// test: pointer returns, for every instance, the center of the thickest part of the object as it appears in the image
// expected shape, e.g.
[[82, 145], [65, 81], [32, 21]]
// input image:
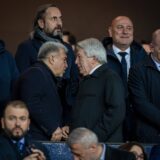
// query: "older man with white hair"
[[100, 104]]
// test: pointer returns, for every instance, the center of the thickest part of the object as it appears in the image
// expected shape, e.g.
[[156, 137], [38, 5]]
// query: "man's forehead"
[[54, 11], [122, 20], [16, 111]]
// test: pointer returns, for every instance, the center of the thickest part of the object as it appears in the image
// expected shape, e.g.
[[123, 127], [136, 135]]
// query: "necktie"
[[20, 145], [124, 67]]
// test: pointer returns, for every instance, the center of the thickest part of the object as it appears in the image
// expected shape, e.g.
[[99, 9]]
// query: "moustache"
[[59, 27], [17, 128]]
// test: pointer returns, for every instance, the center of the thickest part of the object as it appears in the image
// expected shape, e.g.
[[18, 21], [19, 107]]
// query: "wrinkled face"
[[59, 63], [81, 153], [83, 62], [15, 122], [121, 31], [137, 151], [51, 23]]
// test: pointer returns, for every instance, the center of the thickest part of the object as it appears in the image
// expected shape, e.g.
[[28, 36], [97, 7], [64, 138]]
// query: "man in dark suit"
[[144, 86], [85, 146], [37, 87], [14, 144], [100, 104], [122, 53]]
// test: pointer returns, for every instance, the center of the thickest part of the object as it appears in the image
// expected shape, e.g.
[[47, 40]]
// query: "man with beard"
[[47, 26], [14, 144]]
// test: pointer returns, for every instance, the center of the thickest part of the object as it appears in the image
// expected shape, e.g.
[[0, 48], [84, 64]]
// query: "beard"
[[15, 135], [56, 32]]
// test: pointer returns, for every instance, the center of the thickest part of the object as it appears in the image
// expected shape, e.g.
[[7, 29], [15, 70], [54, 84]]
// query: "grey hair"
[[82, 136], [94, 48], [50, 47]]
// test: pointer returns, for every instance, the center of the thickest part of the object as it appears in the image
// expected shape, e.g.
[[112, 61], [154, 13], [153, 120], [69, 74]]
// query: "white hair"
[[94, 48]]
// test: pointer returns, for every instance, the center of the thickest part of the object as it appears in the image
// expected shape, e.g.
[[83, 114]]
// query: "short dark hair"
[[71, 38], [128, 146], [15, 104], [40, 13]]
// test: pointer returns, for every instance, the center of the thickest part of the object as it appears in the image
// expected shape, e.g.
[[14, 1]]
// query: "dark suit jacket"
[[144, 85], [37, 87], [26, 56], [137, 53], [8, 150], [116, 154], [100, 105]]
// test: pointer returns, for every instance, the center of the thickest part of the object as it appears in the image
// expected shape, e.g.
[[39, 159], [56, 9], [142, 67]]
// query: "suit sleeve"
[[114, 111], [141, 102]]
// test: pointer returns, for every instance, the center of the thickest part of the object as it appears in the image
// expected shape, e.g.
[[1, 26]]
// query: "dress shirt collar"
[[102, 157], [96, 67], [156, 62], [117, 50], [22, 140]]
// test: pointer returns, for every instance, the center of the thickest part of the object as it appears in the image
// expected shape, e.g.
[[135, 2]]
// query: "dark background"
[[85, 18]]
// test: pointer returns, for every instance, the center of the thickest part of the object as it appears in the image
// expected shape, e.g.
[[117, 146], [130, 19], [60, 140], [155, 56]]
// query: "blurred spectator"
[[69, 38], [143, 83], [8, 74], [15, 144], [155, 153], [146, 46], [85, 146], [136, 148]]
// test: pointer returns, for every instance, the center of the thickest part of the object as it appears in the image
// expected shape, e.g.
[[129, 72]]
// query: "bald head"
[[156, 36], [121, 31], [121, 18]]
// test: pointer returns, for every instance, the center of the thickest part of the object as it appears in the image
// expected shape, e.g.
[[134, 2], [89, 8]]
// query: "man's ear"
[[41, 23], [2, 122], [93, 147], [152, 47], [51, 59], [110, 31]]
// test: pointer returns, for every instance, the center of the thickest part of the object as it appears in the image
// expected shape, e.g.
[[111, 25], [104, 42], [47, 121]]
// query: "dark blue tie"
[[124, 67], [20, 146]]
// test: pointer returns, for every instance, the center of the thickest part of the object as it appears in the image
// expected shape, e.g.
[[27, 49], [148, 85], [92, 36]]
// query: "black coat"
[[8, 150], [37, 88], [144, 86], [116, 154], [26, 56], [137, 54], [100, 105]]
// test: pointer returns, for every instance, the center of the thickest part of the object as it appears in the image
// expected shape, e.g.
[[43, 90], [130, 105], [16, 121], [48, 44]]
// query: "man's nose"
[[18, 122], [125, 30]]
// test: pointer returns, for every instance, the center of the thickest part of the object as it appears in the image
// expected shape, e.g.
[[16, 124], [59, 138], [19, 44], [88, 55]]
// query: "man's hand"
[[35, 155], [65, 132], [57, 135]]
